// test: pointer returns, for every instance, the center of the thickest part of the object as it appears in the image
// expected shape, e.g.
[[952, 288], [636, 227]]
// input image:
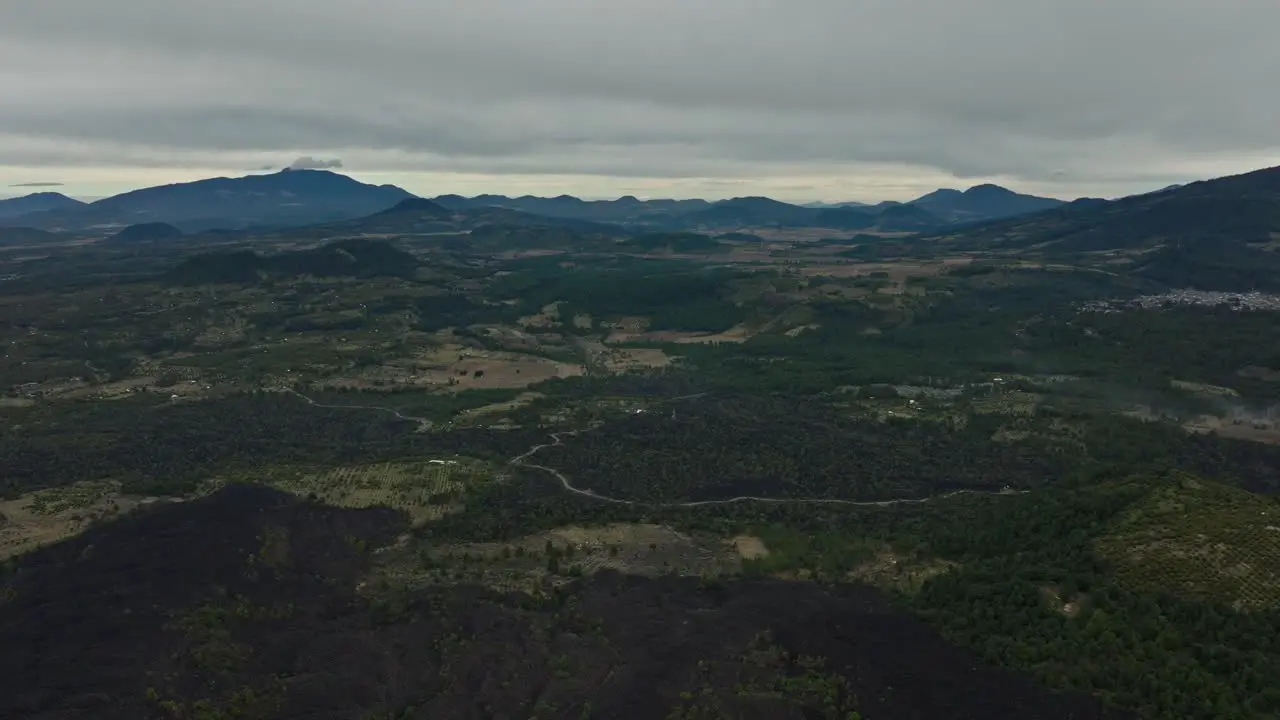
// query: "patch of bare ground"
[[1262, 430], [548, 316], [618, 360], [898, 272], [749, 547], [795, 331], [517, 402], [735, 334], [905, 573], [553, 557], [1070, 607]]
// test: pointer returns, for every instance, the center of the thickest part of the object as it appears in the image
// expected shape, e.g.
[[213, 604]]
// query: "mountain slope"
[[290, 197], [626, 209], [145, 233], [250, 603], [27, 236], [355, 258], [1240, 208], [982, 202], [36, 202]]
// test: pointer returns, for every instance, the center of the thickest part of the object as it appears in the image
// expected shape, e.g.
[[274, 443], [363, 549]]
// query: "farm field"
[[427, 490]]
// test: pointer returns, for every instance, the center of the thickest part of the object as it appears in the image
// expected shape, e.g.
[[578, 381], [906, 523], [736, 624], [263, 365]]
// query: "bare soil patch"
[[1263, 431], [617, 359], [749, 547], [736, 334], [631, 548], [889, 569]]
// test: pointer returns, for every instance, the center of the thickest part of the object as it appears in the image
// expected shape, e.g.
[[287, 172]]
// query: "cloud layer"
[[1080, 97], [307, 162]]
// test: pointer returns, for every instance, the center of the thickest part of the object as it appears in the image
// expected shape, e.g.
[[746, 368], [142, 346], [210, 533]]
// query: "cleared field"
[[1263, 430], [1203, 540], [48, 516], [457, 368], [426, 490], [535, 563], [616, 359], [736, 334]]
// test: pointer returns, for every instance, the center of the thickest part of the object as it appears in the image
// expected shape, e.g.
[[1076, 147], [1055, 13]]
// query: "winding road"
[[522, 460]]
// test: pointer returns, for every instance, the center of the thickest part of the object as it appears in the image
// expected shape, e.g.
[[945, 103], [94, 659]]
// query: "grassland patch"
[[48, 516], [426, 490]]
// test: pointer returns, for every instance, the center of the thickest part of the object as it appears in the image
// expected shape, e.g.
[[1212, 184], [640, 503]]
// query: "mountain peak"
[[36, 202], [417, 205], [289, 197], [981, 202], [989, 189]]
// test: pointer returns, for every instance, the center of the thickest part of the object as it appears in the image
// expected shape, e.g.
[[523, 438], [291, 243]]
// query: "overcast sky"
[[801, 100]]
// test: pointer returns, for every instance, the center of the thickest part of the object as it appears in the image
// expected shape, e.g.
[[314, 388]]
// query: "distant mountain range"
[[286, 198], [1215, 234], [38, 202], [942, 207], [626, 210], [1239, 208], [295, 198]]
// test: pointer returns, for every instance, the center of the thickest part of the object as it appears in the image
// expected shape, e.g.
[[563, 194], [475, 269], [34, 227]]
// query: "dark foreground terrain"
[[245, 604]]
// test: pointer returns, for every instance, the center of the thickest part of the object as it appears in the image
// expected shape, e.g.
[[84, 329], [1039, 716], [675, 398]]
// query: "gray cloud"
[[306, 162], [1081, 97], [37, 184]]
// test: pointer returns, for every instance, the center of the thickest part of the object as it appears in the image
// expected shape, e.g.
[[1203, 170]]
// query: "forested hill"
[[241, 604], [1240, 208]]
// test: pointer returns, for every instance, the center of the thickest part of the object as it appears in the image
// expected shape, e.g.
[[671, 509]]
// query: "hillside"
[[942, 207], [749, 211], [286, 198], [145, 233], [36, 202], [244, 604], [353, 258], [1200, 539], [760, 211], [1240, 208], [1226, 265], [481, 229], [26, 236], [625, 210], [982, 202]]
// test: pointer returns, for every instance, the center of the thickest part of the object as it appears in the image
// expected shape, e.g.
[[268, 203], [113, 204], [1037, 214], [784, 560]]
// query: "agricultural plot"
[[426, 490], [47, 516], [1201, 539], [543, 560]]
